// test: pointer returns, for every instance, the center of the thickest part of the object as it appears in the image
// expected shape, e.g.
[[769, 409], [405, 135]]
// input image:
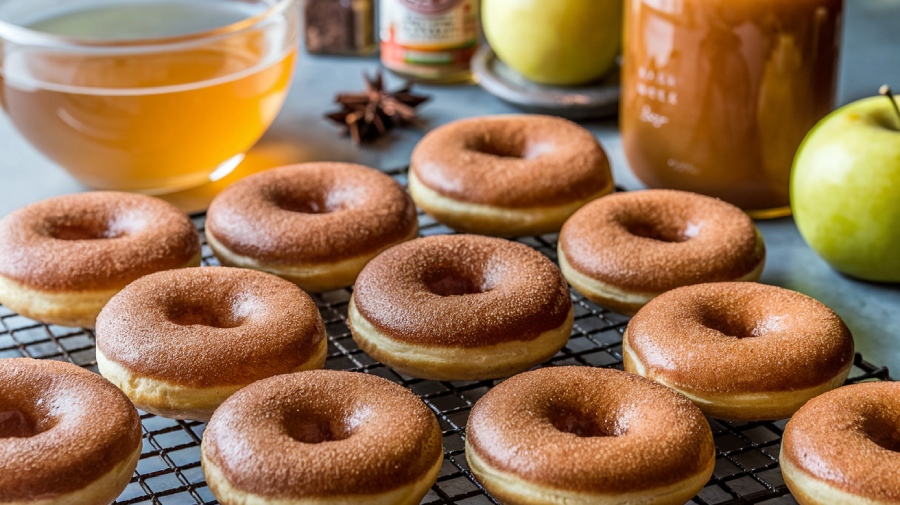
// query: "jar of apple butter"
[[717, 95]]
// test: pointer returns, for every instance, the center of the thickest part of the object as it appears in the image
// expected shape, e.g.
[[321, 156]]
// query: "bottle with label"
[[717, 95], [429, 40]]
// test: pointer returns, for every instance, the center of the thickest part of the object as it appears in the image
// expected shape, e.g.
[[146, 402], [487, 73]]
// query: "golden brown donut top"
[[95, 240], [590, 430], [210, 326], [312, 212], [850, 438], [337, 433], [462, 290], [61, 428], [512, 161], [740, 337], [656, 240]]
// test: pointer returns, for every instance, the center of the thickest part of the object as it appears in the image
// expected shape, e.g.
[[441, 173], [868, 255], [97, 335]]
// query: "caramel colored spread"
[[462, 290]]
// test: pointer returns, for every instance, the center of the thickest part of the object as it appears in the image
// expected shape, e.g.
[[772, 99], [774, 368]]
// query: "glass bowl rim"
[[16, 34]]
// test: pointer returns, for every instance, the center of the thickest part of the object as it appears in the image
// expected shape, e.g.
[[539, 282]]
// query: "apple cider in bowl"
[[149, 96]]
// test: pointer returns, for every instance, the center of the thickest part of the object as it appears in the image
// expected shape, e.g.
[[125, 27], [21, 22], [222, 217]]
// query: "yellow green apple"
[[555, 41], [845, 189]]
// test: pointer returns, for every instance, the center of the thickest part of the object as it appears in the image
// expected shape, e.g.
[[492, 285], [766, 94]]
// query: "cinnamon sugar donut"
[[314, 224], [179, 342], [461, 307], [507, 175], [740, 350], [322, 437], [843, 447], [66, 435], [581, 435], [624, 249], [63, 258]]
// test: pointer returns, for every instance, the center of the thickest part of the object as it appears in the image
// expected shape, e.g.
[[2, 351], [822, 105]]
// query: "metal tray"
[[169, 470]]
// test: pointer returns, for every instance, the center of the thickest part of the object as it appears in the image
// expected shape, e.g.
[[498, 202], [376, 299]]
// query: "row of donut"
[[491, 280]]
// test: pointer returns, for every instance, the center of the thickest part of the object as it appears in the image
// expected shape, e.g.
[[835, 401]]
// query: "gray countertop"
[[871, 43]]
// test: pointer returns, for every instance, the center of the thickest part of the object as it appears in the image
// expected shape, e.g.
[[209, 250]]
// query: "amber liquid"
[[152, 121], [719, 94]]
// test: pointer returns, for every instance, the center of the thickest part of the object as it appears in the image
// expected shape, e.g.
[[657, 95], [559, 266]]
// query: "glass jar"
[[717, 95]]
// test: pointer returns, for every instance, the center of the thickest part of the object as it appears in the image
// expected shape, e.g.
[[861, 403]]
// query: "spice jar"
[[430, 40], [340, 27], [717, 95]]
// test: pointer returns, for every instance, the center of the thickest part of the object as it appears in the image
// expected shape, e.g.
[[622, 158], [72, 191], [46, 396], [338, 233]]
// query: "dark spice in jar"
[[340, 26]]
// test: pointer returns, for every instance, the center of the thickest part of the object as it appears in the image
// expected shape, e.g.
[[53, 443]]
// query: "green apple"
[[845, 189], [555, 41]]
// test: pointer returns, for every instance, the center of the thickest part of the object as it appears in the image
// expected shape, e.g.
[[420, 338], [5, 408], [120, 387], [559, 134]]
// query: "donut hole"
[[17, 424], [85, 231], [733, 324], [510, 148], [317, 429], [452, 283], [883, 431], [311, 204], [584, 425], [214, 315], [306, 200], [661, 231]]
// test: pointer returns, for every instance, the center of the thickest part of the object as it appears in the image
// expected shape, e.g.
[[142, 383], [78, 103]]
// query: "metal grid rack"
[[169, 470]]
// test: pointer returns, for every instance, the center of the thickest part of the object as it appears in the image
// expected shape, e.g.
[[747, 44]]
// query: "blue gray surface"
[[870, 48]]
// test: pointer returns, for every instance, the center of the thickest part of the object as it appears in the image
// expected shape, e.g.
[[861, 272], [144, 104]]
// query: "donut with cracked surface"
[[322, 437], [314, 224], [461, 307], [507, 175], [581, 435], [53, 450], [178, 343], [740, 350], [843, 447], [63, 258], [622, 250]]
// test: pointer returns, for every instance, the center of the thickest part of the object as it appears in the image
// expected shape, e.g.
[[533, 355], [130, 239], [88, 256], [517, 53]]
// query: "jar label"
[[428, 38]]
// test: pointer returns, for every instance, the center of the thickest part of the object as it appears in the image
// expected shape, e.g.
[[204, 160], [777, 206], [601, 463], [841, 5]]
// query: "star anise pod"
[[371, 113]]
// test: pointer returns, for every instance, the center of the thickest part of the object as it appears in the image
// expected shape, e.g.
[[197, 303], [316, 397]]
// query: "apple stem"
[[886, 91]]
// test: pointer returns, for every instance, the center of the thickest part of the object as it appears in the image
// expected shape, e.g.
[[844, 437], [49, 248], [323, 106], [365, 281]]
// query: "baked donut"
[[322, 437], [63, 258], [460, 307], [179, 342], [67, 435], [843, 447], [624, 249], [314, 224], [582, 435], [507, 175], [740, 350]]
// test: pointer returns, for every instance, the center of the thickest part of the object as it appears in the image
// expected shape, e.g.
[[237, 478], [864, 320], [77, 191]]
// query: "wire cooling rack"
[[169, 472]]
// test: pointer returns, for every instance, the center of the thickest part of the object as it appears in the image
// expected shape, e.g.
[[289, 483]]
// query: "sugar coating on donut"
[[462, 290], [848, 439], [311, 212], [584, 429], [338, 433], [92, 241], [51, 442], [740, 337], [514, 161], [654, 240], [210, 326]]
